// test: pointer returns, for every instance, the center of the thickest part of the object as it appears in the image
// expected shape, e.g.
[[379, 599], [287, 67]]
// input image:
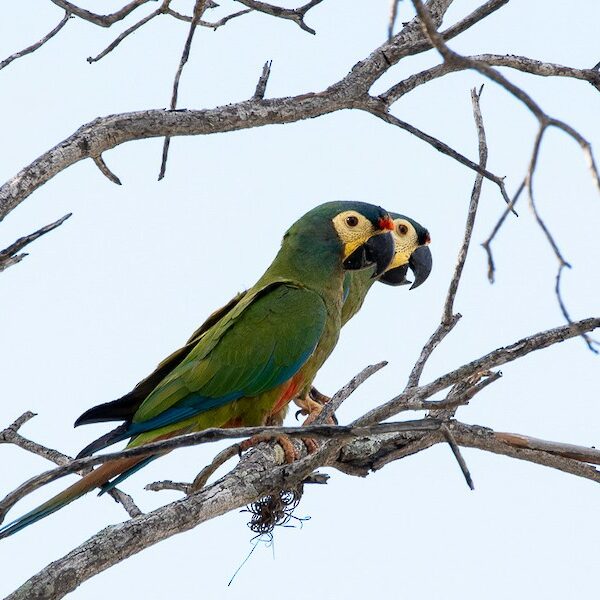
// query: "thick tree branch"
[[258, 475], [102, 134]]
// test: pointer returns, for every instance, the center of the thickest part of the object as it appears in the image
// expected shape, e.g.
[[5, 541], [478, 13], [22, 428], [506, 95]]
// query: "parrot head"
[[411, 250], [360, 232]]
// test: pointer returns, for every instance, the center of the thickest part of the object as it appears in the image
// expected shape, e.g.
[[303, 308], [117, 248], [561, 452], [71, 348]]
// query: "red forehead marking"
[[386, 224]]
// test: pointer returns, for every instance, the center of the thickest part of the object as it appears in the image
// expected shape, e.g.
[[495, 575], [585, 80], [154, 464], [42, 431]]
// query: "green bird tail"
[[99, 477]]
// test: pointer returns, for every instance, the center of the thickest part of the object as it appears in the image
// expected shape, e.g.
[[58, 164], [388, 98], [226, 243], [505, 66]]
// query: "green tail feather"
[[97, 478]]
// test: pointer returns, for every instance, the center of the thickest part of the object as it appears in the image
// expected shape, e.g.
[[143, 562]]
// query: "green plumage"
[[252, 359]]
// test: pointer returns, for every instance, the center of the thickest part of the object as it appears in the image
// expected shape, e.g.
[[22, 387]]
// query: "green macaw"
[[410, 250], [262, 352]]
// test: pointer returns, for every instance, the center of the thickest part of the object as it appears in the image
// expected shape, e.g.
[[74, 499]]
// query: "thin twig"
[[458, 455], [544, 121], [496, 358], [218, 461], [332, 405], [199, 8], [209, 24], [491, 274], [102, 20], [35, 46], [432, 343], [9, 256], [439, 146], [128, 32], [167, 484], [472, 213], [472, 436], [293, 14], [99, 161], [261, 86], [449, 320], [392, 20], [518, 63]]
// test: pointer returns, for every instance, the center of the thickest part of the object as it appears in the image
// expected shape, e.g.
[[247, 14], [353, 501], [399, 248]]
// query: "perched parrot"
[[410, 250], [261, 353]]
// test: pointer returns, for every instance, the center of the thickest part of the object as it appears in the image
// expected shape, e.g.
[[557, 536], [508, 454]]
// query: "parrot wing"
[[125, 407], [259, 344]]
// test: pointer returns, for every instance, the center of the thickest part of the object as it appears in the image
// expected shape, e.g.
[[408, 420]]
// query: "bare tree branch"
[[102, 134], [9, 256], [38, 44], [393, 15], [199, 8], [105, 170], [519, 63], [409, 400], [102, 20], [496, 358], [580, 453], [472, 436], [261, 86], [210, 24], [161, 10], [452, 58], [258, 475], [449, 320], [339, 397], [342, 432], [11, 435], [475, 195], [297, 14]]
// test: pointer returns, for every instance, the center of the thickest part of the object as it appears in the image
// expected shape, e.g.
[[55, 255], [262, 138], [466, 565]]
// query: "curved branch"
[[498, 357], [38, 44], [102, 20], [94, 138]]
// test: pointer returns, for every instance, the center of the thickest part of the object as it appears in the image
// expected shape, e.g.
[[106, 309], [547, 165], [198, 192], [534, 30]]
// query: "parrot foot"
[[312, 405], [311, 444], [289, 452]]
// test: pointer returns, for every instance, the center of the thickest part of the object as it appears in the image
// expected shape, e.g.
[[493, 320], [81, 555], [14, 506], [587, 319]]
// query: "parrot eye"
[[352, 221], [402, 229]]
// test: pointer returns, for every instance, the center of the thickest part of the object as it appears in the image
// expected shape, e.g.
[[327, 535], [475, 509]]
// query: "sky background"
[[137, 268]]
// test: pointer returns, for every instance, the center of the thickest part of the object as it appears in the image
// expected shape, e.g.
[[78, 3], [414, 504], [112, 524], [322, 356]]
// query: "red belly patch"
[[289, 390]]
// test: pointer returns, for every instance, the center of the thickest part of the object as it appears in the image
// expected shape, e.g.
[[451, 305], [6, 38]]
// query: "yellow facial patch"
[[406, 241], [353, 229]]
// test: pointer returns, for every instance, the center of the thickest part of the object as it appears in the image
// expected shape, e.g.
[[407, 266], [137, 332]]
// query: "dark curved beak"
[[420, 263], [377, 250], [396, 276]]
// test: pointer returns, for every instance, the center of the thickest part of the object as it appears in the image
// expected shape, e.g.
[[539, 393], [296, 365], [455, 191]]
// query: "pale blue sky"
[[100, 301]]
